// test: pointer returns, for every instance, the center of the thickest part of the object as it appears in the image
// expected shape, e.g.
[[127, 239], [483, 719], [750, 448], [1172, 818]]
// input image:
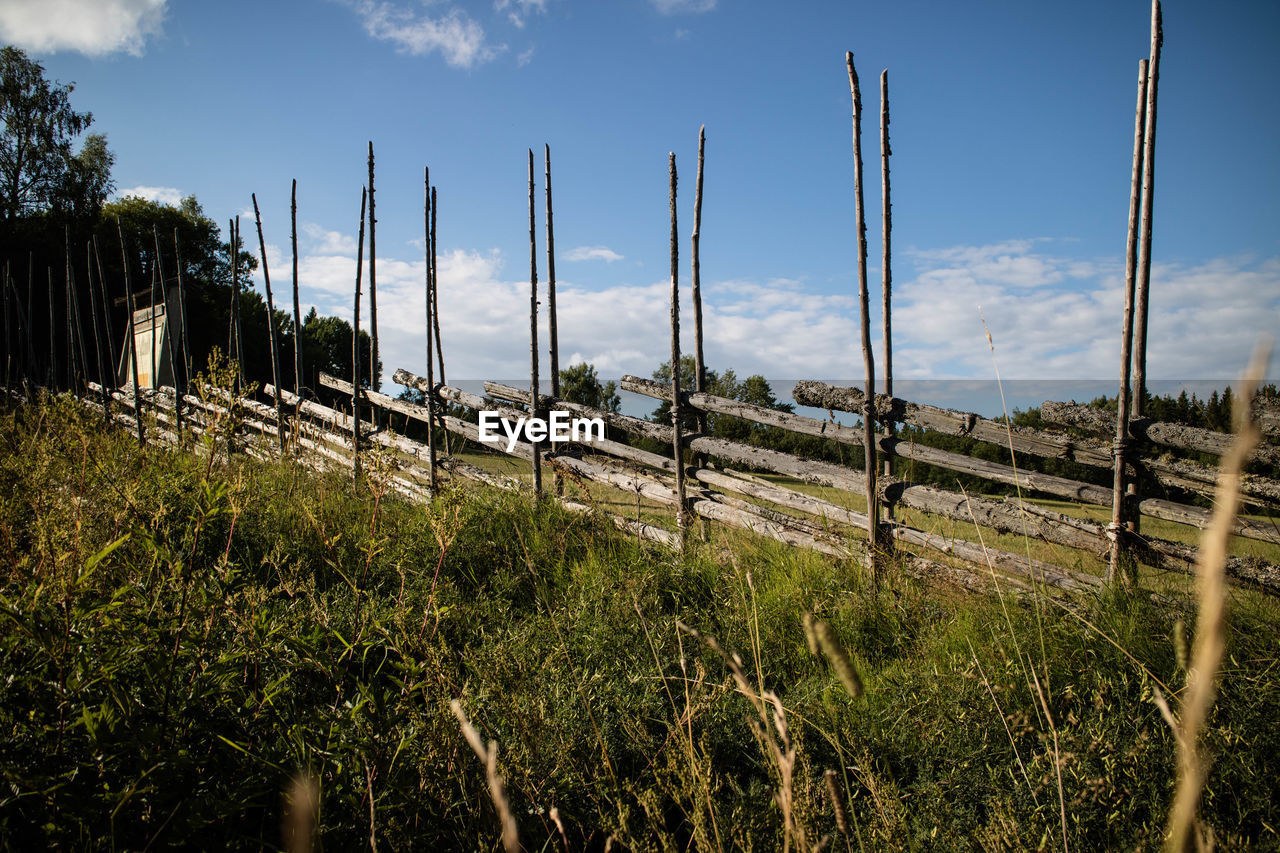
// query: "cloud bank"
[[1050, 317], [92, 27]]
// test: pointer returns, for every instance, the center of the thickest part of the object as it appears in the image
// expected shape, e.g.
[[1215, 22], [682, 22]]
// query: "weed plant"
[[184, 638]]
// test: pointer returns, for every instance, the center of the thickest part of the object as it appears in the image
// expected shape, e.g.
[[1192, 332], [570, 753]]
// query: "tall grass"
[[195, 651]]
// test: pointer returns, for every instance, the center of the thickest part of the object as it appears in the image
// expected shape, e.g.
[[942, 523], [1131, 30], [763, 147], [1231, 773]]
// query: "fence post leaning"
[[237, 338], [435, 301], [132, 333], [170, 332], [552, 328], [75, 370], [1148, 189], [53, 333], [355, 351], [104, 295], [8, 338], [868, 414], [271, 327], [431, 385], [677, 435], [97, 330], [297, 309], [155, 366], [695, 264], [533, 333], [373, 290], [1116, 530], [182, 316], [886, 268]]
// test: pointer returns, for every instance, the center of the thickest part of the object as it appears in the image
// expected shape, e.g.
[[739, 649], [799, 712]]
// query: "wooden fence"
[[323, 438], [708, 477]]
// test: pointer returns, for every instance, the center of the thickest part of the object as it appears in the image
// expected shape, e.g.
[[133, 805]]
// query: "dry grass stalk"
[[1057, 759], [489, 756], [772, 732], [810, 636], [1209, 645], [837, 801], [564, 836], [847, 675], [300, 808]]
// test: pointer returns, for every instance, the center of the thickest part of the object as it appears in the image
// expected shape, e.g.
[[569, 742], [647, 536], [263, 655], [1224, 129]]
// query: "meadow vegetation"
[[185, 637]]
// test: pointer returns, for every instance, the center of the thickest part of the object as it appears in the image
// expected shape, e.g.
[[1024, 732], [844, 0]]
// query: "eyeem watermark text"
[[559, 428]]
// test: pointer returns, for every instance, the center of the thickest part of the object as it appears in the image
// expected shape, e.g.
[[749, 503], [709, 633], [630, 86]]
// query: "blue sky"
[[1011, 130]]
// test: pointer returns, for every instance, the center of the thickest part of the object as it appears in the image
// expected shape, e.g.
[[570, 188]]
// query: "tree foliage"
[[580, 384], [39, 170], [326, 348], [754, 390]]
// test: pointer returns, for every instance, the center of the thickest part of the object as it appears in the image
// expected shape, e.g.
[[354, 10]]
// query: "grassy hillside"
[[182, 639]]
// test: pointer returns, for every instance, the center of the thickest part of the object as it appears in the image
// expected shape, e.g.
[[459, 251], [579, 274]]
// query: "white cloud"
[[323, 242], [1051, 318], [525, 57], [163, 195], [458, 37], [518, 10], [1011, 263], [592, 253], [91, 27], [683, 7]]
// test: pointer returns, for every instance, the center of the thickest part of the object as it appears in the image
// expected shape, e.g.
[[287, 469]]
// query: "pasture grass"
[[186, 639]]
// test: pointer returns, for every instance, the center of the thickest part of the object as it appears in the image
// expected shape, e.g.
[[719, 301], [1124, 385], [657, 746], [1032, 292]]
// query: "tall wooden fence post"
[[695, 264], [75, 369], [435, 285], [23, 310], [155, 365], [868, 359], [886, 258], [533, 332], [1148, 190], [237, 336], [97, 330], [355, 351], [80, 336], [8, 339], [677, 435], [1116, 530], [104, 294], [31, 307], [373, 288], [553, 330], [171, 330], [132, 333], [53, 333], [271, 326], [182, 316], [435, 304], [13, 341], [431, 385], [297, 308]]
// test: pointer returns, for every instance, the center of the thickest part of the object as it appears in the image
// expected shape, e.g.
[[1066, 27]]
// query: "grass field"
[[615, 501], [186, 640]]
